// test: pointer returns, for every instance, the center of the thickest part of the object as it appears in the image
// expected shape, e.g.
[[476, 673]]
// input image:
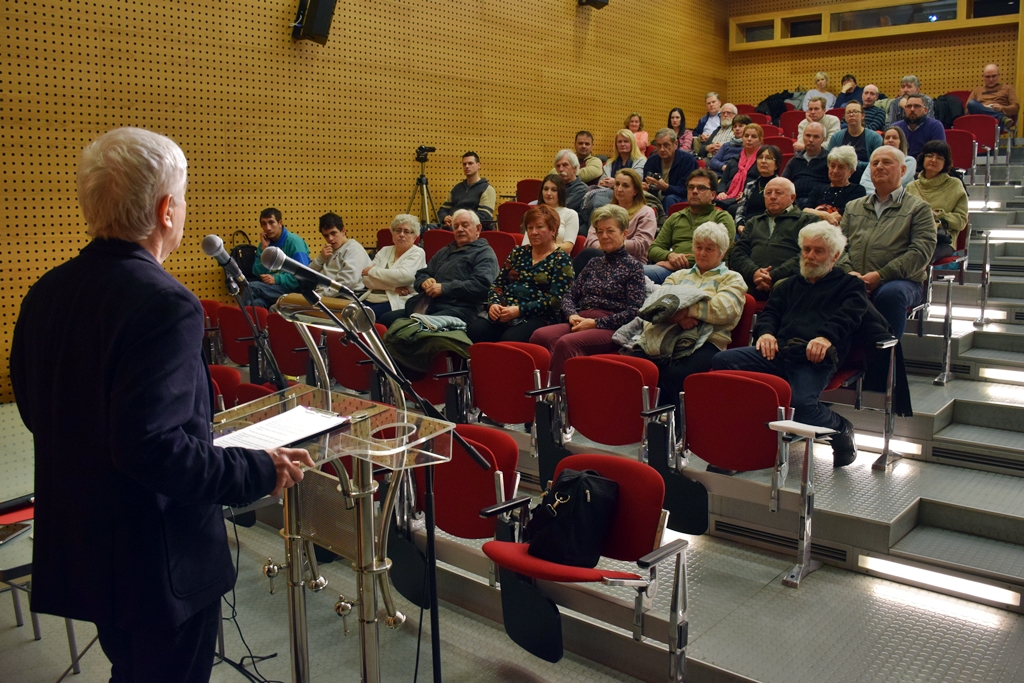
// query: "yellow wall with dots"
[[943, 61], [266, 121]]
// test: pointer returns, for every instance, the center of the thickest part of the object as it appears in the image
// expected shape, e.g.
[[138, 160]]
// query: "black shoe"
[[719, 470], [843, 449]]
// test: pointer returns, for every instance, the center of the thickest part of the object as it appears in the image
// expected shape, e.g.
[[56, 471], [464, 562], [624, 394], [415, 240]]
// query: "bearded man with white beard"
[[805, 331]]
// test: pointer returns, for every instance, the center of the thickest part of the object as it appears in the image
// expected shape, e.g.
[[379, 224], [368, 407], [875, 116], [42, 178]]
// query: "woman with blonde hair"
[[627, 155], [643, 222], [635, 124], [820, 89]]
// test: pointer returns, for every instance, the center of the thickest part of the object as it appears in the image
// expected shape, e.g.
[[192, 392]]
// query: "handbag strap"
[[234, 237]]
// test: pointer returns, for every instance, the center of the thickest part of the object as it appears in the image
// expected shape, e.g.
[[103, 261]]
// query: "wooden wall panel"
[[943, 61], [266, 121]]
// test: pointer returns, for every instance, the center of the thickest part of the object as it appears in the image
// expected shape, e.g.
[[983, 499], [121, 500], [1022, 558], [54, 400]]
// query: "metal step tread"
[[972, 435], [966, 552], [1015, 358]]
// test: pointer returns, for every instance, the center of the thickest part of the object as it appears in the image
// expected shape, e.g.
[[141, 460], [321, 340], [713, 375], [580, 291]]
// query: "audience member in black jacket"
[[805, 331], [809, 169], [669, 187]]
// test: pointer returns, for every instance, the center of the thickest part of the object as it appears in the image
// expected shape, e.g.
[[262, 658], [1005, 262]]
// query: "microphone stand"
[[258, 336], [392, 371]]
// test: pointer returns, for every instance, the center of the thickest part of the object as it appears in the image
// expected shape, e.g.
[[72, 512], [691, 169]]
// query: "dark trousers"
[[180, 655], [807, 380], [487, 330], [672, 373]]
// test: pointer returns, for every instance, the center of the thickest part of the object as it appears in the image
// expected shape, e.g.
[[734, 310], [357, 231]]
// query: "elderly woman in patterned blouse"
[[527, 294], [606, 294]]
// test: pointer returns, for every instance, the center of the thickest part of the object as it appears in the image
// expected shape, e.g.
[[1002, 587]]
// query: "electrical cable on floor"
[[254, 676]]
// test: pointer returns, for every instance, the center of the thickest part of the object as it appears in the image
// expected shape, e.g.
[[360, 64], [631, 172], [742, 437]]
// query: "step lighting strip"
[[1002, 374], [939, 580]]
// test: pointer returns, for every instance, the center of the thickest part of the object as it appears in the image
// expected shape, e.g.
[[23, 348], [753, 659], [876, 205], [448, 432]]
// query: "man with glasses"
[[668, 185], [918, 126], [994, 98], [863, 141], [721, 135], [673, 247], [910, 85]]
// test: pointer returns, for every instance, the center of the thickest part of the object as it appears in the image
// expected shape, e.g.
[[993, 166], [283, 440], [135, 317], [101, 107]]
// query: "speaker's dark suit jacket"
[[107, 371]]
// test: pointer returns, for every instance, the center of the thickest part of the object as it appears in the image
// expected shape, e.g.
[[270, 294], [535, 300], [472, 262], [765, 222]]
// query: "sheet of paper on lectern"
[[291, 427]]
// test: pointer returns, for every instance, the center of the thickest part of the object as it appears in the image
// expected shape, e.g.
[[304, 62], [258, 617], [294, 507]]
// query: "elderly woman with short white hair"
[[389, 277], [829, 202], [721, 311]]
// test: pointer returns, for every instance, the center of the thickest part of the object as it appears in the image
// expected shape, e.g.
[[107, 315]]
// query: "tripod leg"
[[412, 199], [428, 203]]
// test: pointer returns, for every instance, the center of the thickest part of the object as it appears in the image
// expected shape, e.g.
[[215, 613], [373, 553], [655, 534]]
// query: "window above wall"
[[865, 19]]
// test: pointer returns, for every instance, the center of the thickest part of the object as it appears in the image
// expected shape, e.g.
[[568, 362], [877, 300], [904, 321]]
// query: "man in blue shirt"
[[918, 126], [274, 285]]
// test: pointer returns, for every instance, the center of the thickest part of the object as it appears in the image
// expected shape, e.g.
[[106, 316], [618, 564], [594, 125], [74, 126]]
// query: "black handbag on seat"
[[244, 255], [573, 520]]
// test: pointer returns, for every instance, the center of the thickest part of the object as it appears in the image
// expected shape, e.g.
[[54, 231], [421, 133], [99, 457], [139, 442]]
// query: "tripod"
[[428, 214]]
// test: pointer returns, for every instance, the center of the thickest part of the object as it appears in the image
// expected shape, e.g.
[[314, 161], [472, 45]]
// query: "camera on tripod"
[[422, 151]]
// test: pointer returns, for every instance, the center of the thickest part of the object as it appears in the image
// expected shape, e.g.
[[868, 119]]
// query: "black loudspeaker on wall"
[[313, 20], [596, 4]]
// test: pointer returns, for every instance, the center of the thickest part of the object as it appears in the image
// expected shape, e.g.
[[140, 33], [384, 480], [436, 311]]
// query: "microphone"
[[214, 246], [273, 259]]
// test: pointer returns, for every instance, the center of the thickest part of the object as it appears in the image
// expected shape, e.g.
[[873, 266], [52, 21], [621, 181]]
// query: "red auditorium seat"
[[344, 360], [287, 346], [502, 243], [770, 130], [759, 119], [790, 122], [528, 189], [784, 144], [678, 206], [581, 241], [236, 335], [502, 373], [227, 380], [510, 216], [435, 240], [531, 618], [838, 112], [247, 392]]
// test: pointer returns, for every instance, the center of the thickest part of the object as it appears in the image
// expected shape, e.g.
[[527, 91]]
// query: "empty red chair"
[[462, 488], [528, 189], [212, 341], [345, 362], [287, 346], [790, 122], [247, 392], [784, 144], [227, 379], [502, 243], [678, 206], [435, 240], [502, 373], [610, 417], [530, 617], [759, 119], [581, 241], [838, 112], [741, 333], [211, 309], [510, 216], [717, 434], [964, 148], [385, 238], [770, 130], [747, 109], [986, 132], [236, 335]]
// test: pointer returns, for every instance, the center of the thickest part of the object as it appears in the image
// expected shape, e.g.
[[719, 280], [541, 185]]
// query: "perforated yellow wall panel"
[[266, 121], [943, 61]]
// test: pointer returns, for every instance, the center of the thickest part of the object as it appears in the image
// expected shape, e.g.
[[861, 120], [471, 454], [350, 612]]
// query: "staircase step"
[[965, 435], [1007, 287], [1002, 416], [962, 552], [1002, 338]]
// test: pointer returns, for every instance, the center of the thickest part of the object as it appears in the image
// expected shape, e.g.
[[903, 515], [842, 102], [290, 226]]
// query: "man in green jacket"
[[673, 247], [891, 240], [768, 251]]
